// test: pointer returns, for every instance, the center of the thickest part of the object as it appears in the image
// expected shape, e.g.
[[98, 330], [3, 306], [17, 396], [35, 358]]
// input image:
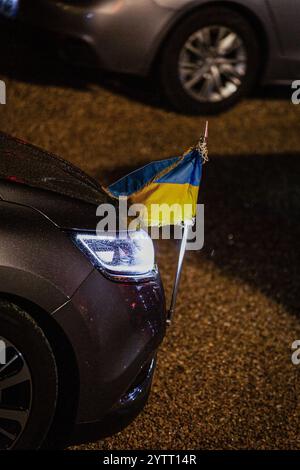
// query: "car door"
[[286, 15]]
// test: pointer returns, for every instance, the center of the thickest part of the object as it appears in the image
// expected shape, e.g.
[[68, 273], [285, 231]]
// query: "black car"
[[78, 334]]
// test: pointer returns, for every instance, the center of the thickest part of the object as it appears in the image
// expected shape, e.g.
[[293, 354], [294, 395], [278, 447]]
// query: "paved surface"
[[225, 378]]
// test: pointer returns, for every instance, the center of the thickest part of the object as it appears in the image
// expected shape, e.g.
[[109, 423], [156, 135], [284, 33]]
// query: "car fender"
[[38, 261], [257, 11]]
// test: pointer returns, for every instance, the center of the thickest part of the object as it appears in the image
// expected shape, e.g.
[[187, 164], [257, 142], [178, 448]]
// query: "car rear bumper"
[[110, 34], [115, 330]]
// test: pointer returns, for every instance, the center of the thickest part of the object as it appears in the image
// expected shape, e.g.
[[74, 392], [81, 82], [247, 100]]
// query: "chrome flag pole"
[[178, 271], [186, 227]]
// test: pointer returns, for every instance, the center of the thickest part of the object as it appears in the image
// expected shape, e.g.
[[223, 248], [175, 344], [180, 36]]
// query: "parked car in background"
[[81, 313], [207, 53]]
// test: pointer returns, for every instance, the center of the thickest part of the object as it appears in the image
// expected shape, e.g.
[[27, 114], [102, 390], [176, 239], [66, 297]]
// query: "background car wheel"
[[28, 381], [210, 61]]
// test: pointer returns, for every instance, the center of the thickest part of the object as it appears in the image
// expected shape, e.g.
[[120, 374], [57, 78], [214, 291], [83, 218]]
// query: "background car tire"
[[19, 329], [208, 17]]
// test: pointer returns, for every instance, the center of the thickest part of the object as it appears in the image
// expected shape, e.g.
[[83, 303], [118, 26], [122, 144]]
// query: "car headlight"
[[123, 254]]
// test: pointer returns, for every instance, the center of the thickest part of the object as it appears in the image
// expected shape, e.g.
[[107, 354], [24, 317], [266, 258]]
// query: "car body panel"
[[65, 212], [280, 64], [106, 27], [140, 27], [113, 327], [115, 339], [286, 20], [37, 168], [28, 174], [32, 265]]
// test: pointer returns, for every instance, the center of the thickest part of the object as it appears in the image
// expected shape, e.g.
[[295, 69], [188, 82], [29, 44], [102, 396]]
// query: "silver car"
[[207, 53]]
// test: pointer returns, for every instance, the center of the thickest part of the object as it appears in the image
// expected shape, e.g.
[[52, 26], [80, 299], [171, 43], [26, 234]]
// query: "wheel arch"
[[196, 7], [68, 372]]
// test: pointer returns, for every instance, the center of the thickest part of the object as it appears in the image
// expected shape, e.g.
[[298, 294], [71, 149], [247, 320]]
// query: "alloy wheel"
[[212, 64], [15, 394]]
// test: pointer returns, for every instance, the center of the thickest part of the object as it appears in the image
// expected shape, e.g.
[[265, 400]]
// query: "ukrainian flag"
[[167, 189]]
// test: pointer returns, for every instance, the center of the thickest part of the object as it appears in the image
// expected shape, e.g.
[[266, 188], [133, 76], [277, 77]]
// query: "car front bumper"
[[122, 414], [115, 330], [111, 34]]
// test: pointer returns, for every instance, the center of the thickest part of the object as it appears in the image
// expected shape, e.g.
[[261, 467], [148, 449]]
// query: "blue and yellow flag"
[[167, 189]]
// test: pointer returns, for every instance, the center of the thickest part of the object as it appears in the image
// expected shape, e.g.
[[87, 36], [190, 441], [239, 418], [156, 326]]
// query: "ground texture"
[[225, 378]]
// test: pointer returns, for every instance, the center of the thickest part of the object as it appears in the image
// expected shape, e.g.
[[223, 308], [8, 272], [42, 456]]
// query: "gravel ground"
[[225, 378]]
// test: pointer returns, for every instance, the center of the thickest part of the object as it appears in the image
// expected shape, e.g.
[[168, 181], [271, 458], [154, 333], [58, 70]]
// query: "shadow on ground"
[[31, 56], [252, 229], [252, 207]]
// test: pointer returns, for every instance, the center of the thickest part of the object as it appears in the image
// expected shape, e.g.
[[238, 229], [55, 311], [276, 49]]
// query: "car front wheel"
[[210, 61], [28, 380]]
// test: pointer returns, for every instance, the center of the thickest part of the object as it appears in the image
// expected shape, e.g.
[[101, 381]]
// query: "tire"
[[37, 391], [210, 17]]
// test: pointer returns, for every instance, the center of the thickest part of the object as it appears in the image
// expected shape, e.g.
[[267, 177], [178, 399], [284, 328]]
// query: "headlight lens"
[[128, 254]]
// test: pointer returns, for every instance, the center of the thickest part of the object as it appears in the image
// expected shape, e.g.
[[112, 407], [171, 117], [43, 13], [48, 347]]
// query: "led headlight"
[[129, 254]]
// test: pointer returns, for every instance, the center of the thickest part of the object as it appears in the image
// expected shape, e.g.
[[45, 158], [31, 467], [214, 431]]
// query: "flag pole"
[[184, 239], [178, 271], [206, 132]]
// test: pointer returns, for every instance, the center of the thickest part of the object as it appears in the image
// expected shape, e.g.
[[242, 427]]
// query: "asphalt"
[[224, 379]]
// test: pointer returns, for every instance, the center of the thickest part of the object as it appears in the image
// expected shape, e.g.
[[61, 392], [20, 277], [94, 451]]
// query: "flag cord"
[[178, 272]]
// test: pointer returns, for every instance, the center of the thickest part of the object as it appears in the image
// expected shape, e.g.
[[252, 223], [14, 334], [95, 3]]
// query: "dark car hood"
[[38, 179]]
